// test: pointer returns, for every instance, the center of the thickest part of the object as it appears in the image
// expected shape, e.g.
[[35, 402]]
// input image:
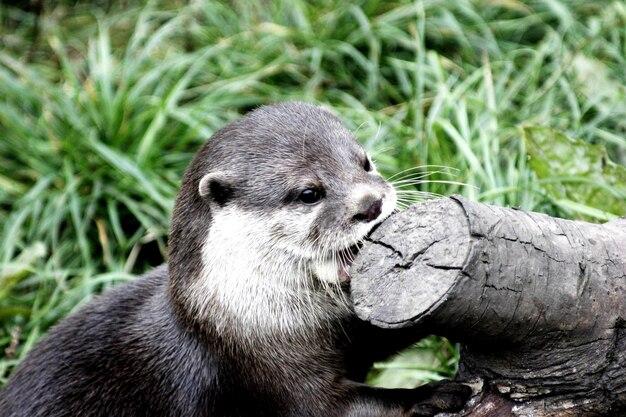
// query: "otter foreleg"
[[427, 400]]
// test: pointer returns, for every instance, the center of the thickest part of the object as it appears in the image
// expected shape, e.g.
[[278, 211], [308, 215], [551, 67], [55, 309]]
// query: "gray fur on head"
[[240, 233]]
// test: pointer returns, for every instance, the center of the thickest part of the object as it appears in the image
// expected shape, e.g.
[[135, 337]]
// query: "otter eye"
[[367, 165], [310, 196]]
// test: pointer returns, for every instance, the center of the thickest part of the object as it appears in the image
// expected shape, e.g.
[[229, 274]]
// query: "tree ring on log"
[[423, 247]]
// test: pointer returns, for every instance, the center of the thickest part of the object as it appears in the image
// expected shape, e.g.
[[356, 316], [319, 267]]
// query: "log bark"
[[538, 303]]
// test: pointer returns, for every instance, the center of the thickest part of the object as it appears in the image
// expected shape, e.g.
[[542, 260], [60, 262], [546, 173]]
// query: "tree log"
[[537, 303]]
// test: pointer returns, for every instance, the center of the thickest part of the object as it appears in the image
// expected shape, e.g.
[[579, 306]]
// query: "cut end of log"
[[396, 258]]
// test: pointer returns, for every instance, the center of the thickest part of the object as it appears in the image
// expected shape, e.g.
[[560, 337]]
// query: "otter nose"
[[371, 210]]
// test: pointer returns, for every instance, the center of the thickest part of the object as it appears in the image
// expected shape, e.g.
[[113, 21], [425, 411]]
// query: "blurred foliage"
[[577, 175]]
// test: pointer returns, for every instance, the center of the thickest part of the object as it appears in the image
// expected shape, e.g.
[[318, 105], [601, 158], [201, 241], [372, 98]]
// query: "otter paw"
[[443, 396]]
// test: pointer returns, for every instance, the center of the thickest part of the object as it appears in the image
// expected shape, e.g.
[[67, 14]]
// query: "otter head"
[[274, 203]]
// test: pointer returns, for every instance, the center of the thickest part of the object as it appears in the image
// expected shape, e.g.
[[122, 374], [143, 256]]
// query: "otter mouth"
[[345, 258]]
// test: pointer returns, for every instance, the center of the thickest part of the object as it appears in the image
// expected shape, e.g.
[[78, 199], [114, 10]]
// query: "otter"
[[251, 315]]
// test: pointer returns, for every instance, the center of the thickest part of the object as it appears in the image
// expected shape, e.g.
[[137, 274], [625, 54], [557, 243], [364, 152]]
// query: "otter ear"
[[216, 186]]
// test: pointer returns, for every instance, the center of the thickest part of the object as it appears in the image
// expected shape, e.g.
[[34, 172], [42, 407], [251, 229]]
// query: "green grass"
[[102, 108]]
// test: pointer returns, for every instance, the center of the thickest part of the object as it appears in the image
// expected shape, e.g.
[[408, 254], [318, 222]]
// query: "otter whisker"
[[440, 169], [418, 182]]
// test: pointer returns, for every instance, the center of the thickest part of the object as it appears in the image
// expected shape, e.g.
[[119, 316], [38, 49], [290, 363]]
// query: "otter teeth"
[[335, 269], [345, 258]]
